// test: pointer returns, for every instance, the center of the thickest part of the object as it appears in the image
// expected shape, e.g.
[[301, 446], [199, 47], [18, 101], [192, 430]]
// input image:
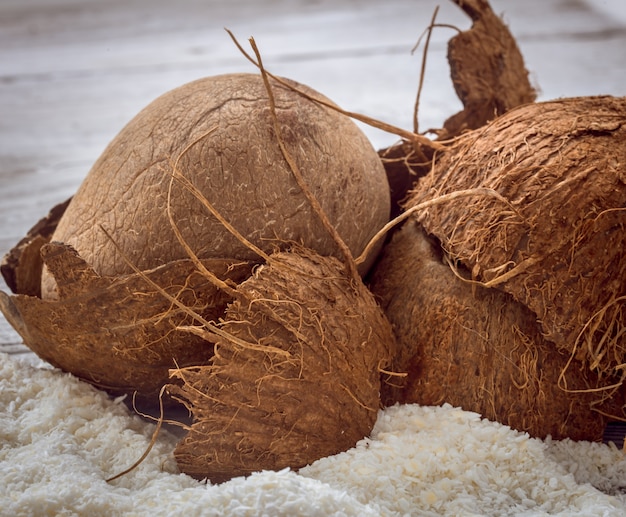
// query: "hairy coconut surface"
[[558, 245], [217, 132], [487, 70], [479, 349], [489, 77], [120, 333], [297, 376]]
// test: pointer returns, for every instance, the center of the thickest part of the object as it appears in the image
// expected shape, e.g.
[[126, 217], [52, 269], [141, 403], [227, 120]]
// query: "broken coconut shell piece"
[[21, 266], [489, 77], [296, 376], [120, 334], [487, 70]]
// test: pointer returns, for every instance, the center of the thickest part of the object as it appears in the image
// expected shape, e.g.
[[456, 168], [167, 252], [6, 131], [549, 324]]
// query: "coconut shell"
[[557, 243], [294, 378], [489, 77], [218, 133], [479, 349], [120, 334]]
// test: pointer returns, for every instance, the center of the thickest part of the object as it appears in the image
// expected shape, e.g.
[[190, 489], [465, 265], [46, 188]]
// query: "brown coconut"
[[479, 349], [295, 376], [557, 244], [218, 134], [121, 333]]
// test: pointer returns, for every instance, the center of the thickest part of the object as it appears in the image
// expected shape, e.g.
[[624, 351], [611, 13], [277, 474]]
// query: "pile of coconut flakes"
[[61, 439]]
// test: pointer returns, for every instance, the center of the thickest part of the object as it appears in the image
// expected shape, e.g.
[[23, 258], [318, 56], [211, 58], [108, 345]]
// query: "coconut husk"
[[21, 266], [489, 77], [295, 376], [479, 349], [487, 70], [557, 246], [120, 333]]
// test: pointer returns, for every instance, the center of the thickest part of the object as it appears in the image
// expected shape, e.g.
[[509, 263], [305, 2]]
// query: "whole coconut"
[[218, 133]]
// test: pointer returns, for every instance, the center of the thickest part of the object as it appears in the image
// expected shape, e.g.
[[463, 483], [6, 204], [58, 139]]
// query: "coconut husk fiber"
[[120, 333], [479, 349], [295, 376], [556, 245], [489, 77], [487, 70]]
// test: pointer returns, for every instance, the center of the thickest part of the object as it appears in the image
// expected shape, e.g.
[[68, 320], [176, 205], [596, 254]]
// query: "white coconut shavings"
[[602, 466], [61, 438], [445, 461]]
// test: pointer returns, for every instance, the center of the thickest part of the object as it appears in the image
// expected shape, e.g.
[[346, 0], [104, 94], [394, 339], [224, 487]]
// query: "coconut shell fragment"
[[295, 377], [21, 267], [558, 244], [120, 334], [489, 77], [479, 349]]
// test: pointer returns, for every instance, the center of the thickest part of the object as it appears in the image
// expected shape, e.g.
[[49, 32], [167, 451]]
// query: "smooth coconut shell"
[[218, 133], [479, 349], [120, 333], [297, 376], [557, 244]]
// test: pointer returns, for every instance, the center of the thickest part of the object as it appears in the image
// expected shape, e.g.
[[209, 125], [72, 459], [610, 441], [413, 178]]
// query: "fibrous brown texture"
[[487, 70], [297, 376], [489, 77], [120, 333], [218, 133], [479, 349], [404, 163], [558, 245]]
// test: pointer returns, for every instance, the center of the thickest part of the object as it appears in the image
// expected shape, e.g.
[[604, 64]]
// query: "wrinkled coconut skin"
[[218, 132]]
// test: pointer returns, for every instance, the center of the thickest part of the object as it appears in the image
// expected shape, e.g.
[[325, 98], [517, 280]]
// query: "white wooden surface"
[[73, 72]]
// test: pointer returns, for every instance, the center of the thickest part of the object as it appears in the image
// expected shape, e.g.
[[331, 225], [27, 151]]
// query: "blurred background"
[[73, 72]]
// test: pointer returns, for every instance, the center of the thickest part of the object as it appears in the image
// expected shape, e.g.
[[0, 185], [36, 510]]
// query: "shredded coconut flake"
[[60, 439]]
